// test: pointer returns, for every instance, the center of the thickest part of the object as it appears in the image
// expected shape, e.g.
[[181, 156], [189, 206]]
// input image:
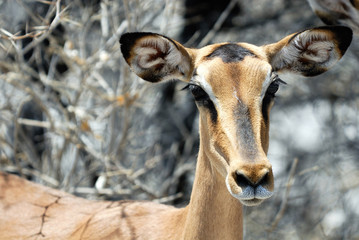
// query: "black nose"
[[244, 181]]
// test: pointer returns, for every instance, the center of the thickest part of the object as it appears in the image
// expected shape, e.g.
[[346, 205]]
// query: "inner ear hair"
[[310, 52], [155, 58]]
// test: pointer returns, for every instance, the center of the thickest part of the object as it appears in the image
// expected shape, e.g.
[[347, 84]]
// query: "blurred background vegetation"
[[74, 117]]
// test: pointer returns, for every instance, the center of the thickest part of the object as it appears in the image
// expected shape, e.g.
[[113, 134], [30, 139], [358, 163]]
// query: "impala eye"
[[202, 99], [198, 93], [273, 87], [270, 95]]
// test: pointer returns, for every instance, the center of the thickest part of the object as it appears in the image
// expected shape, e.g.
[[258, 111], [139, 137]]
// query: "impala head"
[[234, 85]]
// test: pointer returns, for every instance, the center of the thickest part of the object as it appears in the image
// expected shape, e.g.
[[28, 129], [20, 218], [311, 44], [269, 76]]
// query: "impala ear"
[[310, 52], [156, 58]]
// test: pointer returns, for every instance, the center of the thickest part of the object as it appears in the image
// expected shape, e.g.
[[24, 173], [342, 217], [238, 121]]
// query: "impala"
[[234, 85]]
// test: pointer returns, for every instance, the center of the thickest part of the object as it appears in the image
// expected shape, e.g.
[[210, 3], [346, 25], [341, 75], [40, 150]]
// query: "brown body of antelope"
[[234, 86]]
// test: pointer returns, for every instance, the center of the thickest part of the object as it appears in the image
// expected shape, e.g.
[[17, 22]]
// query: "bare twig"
[[219, 23], [283, 205], [103, 191], [33, 172], [53, 25], [33, 123], [169, 198]]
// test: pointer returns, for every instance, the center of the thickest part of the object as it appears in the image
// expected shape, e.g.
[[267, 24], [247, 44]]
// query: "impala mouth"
[[248, 195], [251, 202]]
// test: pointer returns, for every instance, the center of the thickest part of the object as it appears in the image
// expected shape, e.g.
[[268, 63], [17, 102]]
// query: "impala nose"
[[244, 181], [251, 184], [253, 188]]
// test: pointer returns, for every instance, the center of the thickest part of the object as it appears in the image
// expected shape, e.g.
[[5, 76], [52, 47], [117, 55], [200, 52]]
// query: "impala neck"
[[212, 212]]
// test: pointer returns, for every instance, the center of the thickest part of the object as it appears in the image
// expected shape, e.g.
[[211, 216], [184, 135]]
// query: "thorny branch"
[[285, 196], [80, 109]]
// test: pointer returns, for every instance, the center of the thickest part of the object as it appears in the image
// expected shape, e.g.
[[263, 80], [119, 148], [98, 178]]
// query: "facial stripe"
[[230, 53], [267, 82], [245, 133], [265, 108], [201, 81], [213, 112], [213, 102], [266, 100]]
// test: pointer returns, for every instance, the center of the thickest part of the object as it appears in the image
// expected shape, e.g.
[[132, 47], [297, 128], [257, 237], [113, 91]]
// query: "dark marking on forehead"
[[231, 52], [245, 133]]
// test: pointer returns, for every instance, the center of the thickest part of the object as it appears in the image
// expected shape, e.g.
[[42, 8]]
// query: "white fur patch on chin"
[[236, 195]]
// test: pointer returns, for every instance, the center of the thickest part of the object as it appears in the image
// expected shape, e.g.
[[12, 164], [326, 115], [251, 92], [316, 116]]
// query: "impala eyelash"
[[185, 87], [188, 85], [277, 79], [280, 81]]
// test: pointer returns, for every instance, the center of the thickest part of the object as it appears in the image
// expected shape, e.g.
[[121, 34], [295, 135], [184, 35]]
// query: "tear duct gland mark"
[[203, 99], [269, 96]]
